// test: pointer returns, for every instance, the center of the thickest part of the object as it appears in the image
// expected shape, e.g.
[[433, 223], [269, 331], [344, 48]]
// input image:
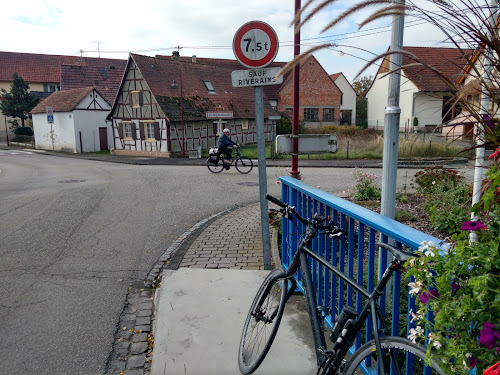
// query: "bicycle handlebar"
[[330, 227]]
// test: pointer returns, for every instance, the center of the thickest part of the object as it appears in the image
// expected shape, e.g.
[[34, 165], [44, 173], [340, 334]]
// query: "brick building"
[[320, 98]]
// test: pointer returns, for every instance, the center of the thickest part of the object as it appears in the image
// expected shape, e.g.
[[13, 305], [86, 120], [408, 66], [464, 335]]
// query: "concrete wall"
[[87, 124]]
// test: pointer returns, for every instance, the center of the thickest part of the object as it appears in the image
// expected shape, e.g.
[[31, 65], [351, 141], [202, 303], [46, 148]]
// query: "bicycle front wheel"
[[243, 164], [214, 168], [262, 321], [398, 353]]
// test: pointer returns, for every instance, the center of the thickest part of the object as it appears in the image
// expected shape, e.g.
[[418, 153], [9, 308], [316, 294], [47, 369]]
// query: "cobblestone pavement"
[[232, 241]]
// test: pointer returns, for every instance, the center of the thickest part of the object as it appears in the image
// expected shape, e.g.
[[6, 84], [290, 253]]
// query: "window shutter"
[[141, 99], [157, 131], [120, 130], [134, 131], [141, 130], [130, 100]]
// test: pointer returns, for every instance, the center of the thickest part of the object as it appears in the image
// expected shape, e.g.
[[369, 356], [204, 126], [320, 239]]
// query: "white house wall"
[[87, 123], [58, 136], [428, 109], [348, 96]]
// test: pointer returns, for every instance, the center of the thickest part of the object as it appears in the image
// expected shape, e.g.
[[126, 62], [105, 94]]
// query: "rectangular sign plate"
[[219, 114], [256, 77]]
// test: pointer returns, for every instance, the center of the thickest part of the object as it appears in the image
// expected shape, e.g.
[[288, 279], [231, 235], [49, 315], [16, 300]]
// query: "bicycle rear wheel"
[[410, 358], [262, 321], [243, 164], [214, 168]]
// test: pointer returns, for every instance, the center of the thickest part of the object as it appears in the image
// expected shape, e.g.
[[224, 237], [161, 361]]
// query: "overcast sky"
[[199, 27]]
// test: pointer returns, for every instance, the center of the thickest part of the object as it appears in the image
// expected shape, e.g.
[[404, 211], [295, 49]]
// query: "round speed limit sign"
[[255, 44]]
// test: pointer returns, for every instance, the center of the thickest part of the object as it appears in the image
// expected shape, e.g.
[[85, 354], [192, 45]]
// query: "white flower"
[[415, 332], [415, 287]]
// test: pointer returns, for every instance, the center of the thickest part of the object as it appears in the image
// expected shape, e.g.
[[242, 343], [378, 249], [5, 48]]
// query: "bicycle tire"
[[213, 167], [243, 164], [402, 345], [258, 334]]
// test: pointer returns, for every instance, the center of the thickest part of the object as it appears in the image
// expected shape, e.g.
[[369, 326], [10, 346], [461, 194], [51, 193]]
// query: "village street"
[[75, 234]]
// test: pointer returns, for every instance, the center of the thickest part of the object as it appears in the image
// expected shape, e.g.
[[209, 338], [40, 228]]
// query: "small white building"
[[424, 94], [348, 99], [78, 123]]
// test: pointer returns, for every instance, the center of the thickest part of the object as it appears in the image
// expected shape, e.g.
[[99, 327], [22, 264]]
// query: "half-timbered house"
[[162, 104]]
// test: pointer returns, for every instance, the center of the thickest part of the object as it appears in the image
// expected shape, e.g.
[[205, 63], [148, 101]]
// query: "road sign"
[[256, 77], [255, 44], [219, 114], [50, 114]]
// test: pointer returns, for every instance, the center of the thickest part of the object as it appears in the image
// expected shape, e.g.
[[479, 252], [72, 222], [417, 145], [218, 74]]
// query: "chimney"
[[175, 55], [193, 59]]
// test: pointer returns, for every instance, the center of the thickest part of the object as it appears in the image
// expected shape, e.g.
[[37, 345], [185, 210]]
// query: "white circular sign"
[[255, 44]]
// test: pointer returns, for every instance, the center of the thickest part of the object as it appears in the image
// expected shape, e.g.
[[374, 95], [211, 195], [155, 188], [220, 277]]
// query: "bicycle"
[[215, 162], [398, 354]]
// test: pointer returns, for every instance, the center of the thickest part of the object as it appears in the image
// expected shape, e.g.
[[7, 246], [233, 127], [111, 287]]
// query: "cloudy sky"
[[198, 27]]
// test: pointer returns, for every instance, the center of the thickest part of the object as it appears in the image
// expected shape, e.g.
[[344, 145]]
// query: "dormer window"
[[136, 99], [209, 87]]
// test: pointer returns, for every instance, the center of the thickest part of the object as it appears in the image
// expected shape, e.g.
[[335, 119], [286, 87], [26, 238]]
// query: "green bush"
[[23, 130], [365, 188], [430, 177]]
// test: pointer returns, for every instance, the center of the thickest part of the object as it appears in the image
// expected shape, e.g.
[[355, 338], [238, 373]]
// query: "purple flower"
[[425, 296], [488, 336], [473, 361], [488, 121], [472, 225], [454, 288]]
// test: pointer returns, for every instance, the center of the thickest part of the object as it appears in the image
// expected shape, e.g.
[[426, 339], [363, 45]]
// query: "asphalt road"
[[75, 234]]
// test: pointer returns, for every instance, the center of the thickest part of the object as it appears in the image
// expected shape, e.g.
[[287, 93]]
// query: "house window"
[[209, 87], [328, 114], [149, 131], [127, 130], [244, 124], [50, 87], [311, 114], [137, 100]]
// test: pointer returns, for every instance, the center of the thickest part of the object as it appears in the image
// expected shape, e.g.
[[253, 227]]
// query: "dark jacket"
[[225, 142]]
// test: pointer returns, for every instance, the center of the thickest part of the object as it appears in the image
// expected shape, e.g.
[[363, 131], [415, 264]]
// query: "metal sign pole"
[[261, 156]]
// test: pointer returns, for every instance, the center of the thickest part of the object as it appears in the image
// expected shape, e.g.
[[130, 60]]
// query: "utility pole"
[[391, 121], [485, 105], [296, 89]]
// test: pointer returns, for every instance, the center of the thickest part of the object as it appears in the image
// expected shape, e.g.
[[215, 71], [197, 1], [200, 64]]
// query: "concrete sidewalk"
[[201, 307]]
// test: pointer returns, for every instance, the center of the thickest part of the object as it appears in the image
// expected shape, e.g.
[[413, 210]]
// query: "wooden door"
[[103, 138]]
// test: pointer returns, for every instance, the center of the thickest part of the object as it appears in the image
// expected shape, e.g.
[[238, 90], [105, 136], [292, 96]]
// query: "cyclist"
[[225, 145]]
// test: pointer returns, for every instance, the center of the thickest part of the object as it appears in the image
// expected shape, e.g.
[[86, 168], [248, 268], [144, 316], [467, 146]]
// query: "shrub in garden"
[[23, 130], [365, 188], [458, 292]]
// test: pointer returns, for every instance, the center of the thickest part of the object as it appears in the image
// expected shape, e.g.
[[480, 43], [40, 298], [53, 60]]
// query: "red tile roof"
[[44, 68], [160, 73], [63, 101], [449, 61], [270, 91], [106, 79]]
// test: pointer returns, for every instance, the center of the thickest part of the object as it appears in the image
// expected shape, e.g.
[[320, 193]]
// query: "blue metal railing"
[[358, 256]]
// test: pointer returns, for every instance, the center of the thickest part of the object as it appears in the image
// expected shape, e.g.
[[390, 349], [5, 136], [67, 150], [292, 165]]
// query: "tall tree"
[[18, 102], [361, 86]]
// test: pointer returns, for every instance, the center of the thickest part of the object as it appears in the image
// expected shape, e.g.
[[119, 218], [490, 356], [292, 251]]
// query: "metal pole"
[[6, 130], [391, 122], [485, 104], [261, 156], [295, 120]]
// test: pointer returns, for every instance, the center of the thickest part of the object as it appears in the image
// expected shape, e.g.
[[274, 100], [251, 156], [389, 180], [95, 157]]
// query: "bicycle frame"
[[370, 308]]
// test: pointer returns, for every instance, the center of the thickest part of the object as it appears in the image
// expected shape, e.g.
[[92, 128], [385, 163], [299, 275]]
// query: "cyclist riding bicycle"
[[225, 145]]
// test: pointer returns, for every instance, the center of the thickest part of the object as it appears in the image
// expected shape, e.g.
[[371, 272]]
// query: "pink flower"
[[472, 225], [286, 169], [278, 182], [318, 187]]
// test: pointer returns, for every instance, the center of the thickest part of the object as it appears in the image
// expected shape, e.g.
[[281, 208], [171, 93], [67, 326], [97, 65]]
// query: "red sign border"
[[266, 60]]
